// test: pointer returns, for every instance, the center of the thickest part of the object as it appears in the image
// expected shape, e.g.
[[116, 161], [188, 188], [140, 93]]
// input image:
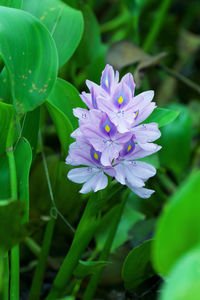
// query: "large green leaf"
[[178, 229], [64, 23], [31, 59], [183, 282], [162, 116], [137, 266], [6, 119], [63, 125], [66, 97], [12, 3], [176, 142]]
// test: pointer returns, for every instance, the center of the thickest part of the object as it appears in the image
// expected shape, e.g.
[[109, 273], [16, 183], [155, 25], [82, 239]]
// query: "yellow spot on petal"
[[96, 156], [136, 114], [107, 128], [106, 82], [120, 100], [129, 148]]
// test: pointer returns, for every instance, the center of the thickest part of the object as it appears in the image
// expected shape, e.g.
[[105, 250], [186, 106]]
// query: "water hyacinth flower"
[[110, 139]]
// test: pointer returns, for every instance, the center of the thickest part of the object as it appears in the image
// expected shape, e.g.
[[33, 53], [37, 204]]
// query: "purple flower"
[[110, 138], [93, 176]]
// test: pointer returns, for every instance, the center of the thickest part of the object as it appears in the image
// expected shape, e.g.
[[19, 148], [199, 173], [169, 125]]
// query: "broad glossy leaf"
[[162, 116], [128, 219], [33, 68], [66, 97], [12, 3], [6, 119], [86, 268], [63, 125], [179, 226], [63, 22], [175, 137], [137, 266], [183, 281]]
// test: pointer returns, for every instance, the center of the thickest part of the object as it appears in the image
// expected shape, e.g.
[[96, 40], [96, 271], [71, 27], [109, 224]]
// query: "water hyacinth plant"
[[99, 190], [110, 138]]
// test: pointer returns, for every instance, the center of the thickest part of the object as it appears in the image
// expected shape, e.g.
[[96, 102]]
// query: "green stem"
[[14, 274], [117, 22], [84, 233], [93, 283], [181, 78], [40, 270], [6, 277], [155, 28]]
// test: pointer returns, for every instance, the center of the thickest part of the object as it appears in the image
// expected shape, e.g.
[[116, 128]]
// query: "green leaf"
[[63, 22], [162, 116], [175, 137], [33, 68], [12, 3], [63, 125], [128, 219], [66, 97], [179, 226], [6, 119], [137, 267], [90, 46], [86, 268], [11, 217], [183, 281], [23, 158], [30, 130]]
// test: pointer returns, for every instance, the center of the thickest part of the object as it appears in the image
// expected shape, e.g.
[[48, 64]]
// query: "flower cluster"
[[109, 140]]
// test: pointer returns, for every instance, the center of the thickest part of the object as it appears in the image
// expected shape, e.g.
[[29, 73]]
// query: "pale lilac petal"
[[141, 192], [80, 175], [81, 113], [97, 182], [86, 98], [151, 147], [145, 97], [109, 153], [120, 174], [131, 177], [128, 79], [108, 79], [144, 113], [143, 170], [141, 153], [146, 132]]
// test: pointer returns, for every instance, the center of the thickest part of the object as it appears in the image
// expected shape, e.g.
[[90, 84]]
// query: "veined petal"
[[143, 170], [97, 182], [110, 152], [146, 132], [80, 175], [128, 79], [141, 153], [81, 113], [108, 79], [141, 192]]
